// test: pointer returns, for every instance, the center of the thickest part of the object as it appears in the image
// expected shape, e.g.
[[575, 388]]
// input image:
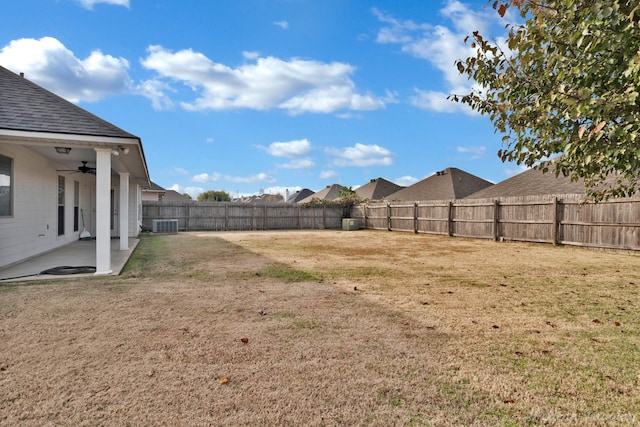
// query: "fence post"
[[187, 219], [264, 218], [366, 224], [555, 221], [450, 219], [324, 216], [388, 217], [415, 217], [226, 217], [496, 220]]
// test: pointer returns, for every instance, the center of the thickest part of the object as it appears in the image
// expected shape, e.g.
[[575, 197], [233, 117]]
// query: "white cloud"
[[155, 90], [179, 171], [206, 178], [361, 155], [88, 4], [518, 170], [437, 101], [327, 174], [476, 152], [442, 46], [50, 64], [397, 31], [297, 85], [295, 148], [250, 54], [210, 140], [406, 180], [191, 191], [282, 24], [281, 190], [304, 163]]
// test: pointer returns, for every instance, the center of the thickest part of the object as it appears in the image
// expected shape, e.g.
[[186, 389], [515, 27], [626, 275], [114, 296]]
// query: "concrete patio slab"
[[76, 254]]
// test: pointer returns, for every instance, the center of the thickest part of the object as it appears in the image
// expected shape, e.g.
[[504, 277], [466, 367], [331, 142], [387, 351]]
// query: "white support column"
[[123, 218], [103, 211]]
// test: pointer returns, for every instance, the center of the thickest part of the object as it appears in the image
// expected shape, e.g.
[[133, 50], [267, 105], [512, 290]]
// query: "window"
[[6, 186], [60, 205]]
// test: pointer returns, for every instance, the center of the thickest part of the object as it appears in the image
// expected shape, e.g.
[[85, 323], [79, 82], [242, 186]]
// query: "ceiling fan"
[[84, 169]]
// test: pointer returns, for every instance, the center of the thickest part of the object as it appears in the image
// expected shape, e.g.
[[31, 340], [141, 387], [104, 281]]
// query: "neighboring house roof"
[[26, 106], [330, 192], [174, 196], [531, 183], [154, 192], [155, 187], [299, 195], [377, 189], [451, 183]]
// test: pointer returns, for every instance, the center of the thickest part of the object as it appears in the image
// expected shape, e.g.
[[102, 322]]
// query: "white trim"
[[103, 211], [40, 137], [123, 218]]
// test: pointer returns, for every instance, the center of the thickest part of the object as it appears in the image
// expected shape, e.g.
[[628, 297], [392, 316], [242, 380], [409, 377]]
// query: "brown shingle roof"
[[377, 189], [531, 183], [330, 192], [451, 183], [25, 106]]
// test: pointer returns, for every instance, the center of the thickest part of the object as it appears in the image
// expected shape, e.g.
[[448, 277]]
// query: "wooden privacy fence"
[[228, 216], [567, 220]]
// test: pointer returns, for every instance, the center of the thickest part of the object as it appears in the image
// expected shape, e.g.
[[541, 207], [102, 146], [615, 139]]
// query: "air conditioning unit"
[[165, 225], [350, 224]]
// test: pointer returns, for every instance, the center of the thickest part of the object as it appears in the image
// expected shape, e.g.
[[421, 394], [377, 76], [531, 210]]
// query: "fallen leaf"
[[550, 324], [617, 323], [496, 327], [223, 380], [244, 340], [509, 401], [596, 321]]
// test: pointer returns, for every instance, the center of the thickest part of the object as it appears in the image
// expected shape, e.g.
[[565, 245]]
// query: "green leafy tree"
[[346, 191], [187, 195], [564, 84], [214, 196]]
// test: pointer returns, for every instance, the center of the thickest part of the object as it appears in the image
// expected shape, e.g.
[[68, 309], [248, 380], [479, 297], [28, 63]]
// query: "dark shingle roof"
[[155, 187], [299, 195], [451, 183], [377, 189], [25, 106], [531, 183]]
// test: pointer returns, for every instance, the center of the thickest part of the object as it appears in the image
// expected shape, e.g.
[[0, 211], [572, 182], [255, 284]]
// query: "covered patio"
[[80, 253]]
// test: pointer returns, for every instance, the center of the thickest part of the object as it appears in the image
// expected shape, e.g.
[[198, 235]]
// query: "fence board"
[[223, 216], [564, 219]]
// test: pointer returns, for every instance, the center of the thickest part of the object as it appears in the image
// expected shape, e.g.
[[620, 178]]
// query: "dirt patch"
[[328, 328]]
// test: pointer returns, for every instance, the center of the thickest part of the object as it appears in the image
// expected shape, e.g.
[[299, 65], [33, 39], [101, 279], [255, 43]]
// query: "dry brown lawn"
[[328, 328]]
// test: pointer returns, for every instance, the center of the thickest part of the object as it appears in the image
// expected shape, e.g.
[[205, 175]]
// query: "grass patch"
[[288, 274], [149, 254]]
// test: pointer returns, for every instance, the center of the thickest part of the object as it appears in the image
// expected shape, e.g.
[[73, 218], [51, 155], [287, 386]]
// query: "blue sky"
[[244, 95]]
